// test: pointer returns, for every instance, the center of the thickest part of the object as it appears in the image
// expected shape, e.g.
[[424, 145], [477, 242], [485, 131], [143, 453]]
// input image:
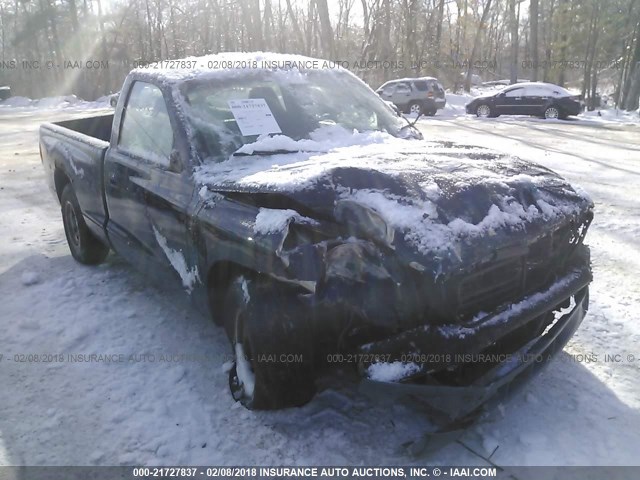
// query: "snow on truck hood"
[[434, 193]]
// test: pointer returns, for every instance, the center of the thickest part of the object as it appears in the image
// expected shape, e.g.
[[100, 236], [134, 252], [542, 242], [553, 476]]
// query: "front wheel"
[[273, 358], [84, 246], [484, 111]]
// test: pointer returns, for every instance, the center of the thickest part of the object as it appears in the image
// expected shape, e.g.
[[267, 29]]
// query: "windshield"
[[228, 111]]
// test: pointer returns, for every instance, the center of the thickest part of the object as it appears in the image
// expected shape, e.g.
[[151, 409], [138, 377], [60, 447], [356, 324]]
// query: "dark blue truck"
[[322, 232]]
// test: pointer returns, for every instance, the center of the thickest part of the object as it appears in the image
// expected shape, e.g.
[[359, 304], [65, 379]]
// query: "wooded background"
[[590, 45]]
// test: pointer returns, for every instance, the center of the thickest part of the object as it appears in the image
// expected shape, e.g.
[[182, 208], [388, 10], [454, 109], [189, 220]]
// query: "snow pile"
[[391, 372], [322, 140], [611, 115], [52, 103], [29, 278], [456, 103], [418, 219], [245, 374], [16, 102], [271, 220]]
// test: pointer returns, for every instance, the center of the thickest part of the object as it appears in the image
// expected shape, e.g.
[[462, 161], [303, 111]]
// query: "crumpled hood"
[[441, 198]]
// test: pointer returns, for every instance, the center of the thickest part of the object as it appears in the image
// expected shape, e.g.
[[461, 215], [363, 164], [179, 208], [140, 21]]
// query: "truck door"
[[148, 203]]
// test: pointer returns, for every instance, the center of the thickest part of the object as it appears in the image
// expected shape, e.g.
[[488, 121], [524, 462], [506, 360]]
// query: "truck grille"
[[497, 283], [490, 286]]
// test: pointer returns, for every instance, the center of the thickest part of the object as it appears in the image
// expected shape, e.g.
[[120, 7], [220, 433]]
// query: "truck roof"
[[173, 71]]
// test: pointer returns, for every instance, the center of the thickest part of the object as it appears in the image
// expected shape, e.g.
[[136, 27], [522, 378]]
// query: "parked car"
[[503, 81], [532, 98], [321, 231], [5, 92], [423, 95]]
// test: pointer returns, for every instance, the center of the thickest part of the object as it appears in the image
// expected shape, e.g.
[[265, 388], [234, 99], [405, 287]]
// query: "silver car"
[[424, 95]]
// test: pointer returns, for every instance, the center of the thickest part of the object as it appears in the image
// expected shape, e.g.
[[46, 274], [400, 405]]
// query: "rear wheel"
[[552, 112], [430, 113], [272, 367], [414, 108], [84, 246]]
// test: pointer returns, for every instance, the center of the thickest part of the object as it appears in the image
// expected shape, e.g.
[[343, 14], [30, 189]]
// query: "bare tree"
[[485, 12], [533, 26]]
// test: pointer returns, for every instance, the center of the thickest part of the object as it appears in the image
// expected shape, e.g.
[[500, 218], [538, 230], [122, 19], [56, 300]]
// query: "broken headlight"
[[363, 222]]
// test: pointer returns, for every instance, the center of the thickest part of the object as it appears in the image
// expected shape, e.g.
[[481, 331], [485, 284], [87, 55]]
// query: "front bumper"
[[456, 406]]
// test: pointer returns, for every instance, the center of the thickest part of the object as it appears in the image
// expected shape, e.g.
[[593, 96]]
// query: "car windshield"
[[227, 111]]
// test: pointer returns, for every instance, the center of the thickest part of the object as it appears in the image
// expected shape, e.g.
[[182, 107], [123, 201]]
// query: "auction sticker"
[[254, 117]]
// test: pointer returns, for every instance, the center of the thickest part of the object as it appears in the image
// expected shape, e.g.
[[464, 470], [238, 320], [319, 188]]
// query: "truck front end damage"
[[453, 340], [438, 272]]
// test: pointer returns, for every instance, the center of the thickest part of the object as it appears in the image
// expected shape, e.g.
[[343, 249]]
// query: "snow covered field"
[[166, 400]]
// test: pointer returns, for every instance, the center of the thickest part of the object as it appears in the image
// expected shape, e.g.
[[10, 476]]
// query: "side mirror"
[[175, 162]]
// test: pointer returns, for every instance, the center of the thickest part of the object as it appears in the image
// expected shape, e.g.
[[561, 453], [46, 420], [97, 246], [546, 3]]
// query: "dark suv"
[[423, 95]]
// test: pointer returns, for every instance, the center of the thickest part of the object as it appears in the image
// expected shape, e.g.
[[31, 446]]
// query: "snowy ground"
[[154, 411]]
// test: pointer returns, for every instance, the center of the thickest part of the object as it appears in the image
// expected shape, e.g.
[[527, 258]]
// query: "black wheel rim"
[[72, 224]]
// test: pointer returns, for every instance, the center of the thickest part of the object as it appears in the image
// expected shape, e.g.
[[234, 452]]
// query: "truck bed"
[[98, 127], [73, 151]]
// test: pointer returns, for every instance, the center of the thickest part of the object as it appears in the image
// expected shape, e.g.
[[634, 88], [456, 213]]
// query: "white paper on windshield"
[[253, 116]]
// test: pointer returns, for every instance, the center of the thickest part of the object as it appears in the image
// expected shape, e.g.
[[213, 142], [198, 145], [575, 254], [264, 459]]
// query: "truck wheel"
[[273, 360], [85, 248]]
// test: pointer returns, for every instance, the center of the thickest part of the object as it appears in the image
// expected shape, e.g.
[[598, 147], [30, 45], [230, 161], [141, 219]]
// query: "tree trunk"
[[533, 26], [439, 28], [513, 58], [296, 27], [326, 32], [564, 25], [474, 51], [632, 85]]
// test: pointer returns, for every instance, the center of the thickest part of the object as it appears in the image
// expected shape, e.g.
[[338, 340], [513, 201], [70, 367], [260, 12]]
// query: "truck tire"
[[273, 361], [84, 246]]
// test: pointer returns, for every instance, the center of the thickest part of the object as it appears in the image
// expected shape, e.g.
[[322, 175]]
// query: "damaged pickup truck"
[[322, 231]]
